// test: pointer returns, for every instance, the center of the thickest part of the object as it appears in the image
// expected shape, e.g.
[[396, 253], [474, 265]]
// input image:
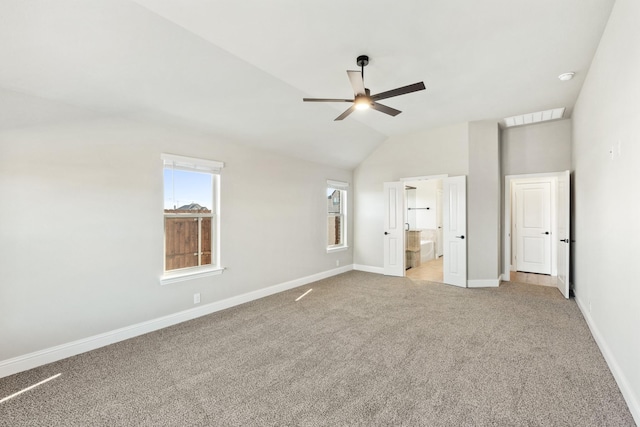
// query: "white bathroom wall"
[[81, 227], [606, 205], [411, 201], [426, 197]]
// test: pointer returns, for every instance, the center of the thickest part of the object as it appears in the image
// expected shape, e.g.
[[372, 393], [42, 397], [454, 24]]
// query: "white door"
[[439, 223], [394, 228], [533, 227], [454, 223], [564, 221]]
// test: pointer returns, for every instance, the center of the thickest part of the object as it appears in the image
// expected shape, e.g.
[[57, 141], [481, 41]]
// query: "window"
[[336, 215], [191, 217]]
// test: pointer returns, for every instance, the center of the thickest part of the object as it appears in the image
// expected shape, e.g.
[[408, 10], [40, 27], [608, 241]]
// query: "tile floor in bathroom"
[[432, 271], [429, 270]]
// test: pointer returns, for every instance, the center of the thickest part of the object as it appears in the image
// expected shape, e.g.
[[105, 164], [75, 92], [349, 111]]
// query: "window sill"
[[182, 276], [337, 249]]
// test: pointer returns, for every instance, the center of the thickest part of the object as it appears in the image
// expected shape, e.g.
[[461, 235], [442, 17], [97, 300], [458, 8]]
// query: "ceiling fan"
[[362, 96]]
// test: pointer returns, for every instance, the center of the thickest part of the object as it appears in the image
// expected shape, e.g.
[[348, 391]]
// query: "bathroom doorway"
[[454, 222], [423, 229]]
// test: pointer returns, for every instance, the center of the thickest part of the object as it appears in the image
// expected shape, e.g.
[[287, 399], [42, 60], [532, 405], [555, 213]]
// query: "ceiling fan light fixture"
[[362, 102]]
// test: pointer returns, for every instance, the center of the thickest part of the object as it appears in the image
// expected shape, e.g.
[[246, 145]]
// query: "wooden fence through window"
[[181, 241]]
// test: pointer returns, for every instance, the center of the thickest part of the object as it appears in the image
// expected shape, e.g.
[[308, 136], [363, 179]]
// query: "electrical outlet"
[[196, 298], [337, 263]]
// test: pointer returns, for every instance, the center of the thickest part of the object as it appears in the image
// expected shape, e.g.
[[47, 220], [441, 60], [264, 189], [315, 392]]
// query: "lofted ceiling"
[[239, 69]]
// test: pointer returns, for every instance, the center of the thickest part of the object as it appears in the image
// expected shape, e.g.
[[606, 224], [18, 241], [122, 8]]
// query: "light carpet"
[[360, 349]]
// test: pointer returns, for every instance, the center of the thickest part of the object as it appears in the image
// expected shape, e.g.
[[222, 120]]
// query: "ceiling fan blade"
[[384, 109], [399, 91], [346, 113], [325, 100], [357, 83]]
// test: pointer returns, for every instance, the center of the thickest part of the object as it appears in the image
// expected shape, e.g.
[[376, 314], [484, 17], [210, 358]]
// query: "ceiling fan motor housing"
[[362, 61]]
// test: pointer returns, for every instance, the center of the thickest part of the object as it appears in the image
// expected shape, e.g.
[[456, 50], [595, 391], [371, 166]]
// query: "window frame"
[[214, 168], [344, 218]]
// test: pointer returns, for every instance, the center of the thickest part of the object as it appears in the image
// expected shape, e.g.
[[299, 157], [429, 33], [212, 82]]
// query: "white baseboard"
[[59, 352], [487, 283], [627, 392], [368, 268]]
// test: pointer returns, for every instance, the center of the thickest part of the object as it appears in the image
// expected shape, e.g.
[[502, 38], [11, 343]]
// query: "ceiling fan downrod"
[[362, 61]]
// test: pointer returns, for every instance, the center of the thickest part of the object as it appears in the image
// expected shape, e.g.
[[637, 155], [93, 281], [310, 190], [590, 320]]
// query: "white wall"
[[464, 149], [483, 204], [606, 201], [433, 152], [81, 227], [426, 198], [538, 148], [531, 149]]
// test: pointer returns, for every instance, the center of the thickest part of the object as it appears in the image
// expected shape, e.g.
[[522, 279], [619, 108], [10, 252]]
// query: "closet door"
[[533, 227]]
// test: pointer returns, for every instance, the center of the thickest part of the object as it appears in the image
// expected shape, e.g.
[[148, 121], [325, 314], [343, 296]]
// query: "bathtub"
[[427, 250]]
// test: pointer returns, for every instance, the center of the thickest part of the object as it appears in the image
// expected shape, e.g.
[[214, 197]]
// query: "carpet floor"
[[360, 349]]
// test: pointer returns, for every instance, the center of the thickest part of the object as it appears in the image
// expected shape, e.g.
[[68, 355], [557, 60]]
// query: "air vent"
[[537, 117]]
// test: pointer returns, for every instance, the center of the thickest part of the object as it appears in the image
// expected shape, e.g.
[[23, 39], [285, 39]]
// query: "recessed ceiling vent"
[[537, 117]]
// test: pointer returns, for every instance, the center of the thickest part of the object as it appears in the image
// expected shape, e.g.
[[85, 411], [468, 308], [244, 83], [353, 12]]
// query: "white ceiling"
[[239, 69]]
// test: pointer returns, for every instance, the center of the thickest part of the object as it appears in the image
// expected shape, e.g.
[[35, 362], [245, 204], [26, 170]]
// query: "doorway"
[[454, 246], [536, 224], [423, 242]]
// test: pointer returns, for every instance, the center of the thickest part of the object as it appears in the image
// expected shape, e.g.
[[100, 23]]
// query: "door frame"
[[416, 178], [507, 191]]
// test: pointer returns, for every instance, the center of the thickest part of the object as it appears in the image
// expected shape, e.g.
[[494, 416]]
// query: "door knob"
[[546, 232], [385, 233], [564, 240], [460, 237]]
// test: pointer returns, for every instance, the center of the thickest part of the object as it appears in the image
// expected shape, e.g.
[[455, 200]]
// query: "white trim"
[[191, 163], [53, 354], [627, 391], [424, 178], [175, 277], [338, 185], [506, 262], [486, 283], [213, 168], [218, 185], [342, 187], [368, 268]]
